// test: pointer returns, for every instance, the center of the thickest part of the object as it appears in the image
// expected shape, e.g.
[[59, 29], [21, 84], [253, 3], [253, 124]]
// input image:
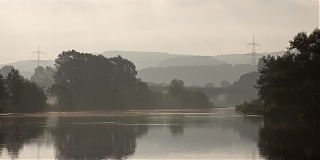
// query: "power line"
[[39, 53], [254, 54]]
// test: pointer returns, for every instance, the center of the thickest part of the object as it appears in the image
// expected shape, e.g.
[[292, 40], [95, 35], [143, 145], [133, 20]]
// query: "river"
[[214, 134]]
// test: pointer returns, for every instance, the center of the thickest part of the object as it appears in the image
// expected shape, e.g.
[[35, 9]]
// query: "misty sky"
[[202, 27]]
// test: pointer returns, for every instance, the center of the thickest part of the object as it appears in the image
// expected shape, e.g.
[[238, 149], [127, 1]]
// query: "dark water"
[[221, 134]]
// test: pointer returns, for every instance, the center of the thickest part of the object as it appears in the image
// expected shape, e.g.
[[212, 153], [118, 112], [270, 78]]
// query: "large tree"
[[88, 82], [291, 83], [180, 97], [82, 80], [14, 84]]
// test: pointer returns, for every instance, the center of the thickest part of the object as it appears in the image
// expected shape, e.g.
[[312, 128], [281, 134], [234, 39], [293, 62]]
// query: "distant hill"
[[234, 58], [191, 61], [152, 59], [163, 59], [244, 58], [26, 67], [141, 59], [195, 75]]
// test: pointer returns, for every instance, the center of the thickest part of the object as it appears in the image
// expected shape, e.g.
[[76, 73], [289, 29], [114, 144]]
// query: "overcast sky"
[[202, 27]]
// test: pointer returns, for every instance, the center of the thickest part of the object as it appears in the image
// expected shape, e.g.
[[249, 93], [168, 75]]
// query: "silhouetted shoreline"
[[107, 113]]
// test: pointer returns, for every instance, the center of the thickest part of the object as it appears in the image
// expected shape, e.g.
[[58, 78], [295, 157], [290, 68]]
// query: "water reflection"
[[176, 126], [154, 136], [15, 132], [289, 139], [201, 136], [97, 138]]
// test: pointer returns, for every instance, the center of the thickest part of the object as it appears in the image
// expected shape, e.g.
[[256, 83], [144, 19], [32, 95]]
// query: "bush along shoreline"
[[253, 107]]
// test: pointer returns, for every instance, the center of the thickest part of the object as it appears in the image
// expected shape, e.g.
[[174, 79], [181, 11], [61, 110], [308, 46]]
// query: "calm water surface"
[[220, 134]]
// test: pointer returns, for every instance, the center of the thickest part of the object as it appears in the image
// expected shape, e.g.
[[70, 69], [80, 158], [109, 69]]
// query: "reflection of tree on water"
[[176, 126], [94, 138], [15, 132], [288, 139], [247, 127]]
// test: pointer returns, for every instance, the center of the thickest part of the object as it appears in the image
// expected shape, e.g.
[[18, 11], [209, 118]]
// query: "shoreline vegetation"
[[111, 113], [287, 85], [86, 82], [254, 106]]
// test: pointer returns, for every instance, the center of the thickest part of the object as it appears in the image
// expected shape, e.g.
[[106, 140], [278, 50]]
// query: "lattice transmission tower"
[[254, 54], [39, 53]]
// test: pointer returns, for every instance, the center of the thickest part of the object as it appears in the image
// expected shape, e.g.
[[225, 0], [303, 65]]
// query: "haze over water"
[[218, 134], [153, 79]]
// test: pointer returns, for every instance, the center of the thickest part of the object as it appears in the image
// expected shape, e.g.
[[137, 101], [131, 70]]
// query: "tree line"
[[289, 85], [18, 94], [83, 81]]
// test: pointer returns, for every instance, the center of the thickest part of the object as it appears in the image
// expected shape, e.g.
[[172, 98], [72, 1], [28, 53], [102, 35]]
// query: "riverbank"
[[111, 113]]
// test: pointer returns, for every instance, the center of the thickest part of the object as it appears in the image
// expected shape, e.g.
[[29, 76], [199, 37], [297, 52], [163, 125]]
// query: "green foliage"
[[33, 98], [43, 76], [190, 74], [146, 98], [293, 80], [243, 89], [64, 96], [177, 89], [225, 83], [255, 106], [179, 97], [89, 82], [81, 80], [261, 62], [2, 94], [20, 95], [209, 85], [14, 84], [5, 70]]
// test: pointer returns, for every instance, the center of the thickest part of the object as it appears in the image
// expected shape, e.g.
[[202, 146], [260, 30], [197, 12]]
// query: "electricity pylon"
[[254, 54], [39, 53]]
